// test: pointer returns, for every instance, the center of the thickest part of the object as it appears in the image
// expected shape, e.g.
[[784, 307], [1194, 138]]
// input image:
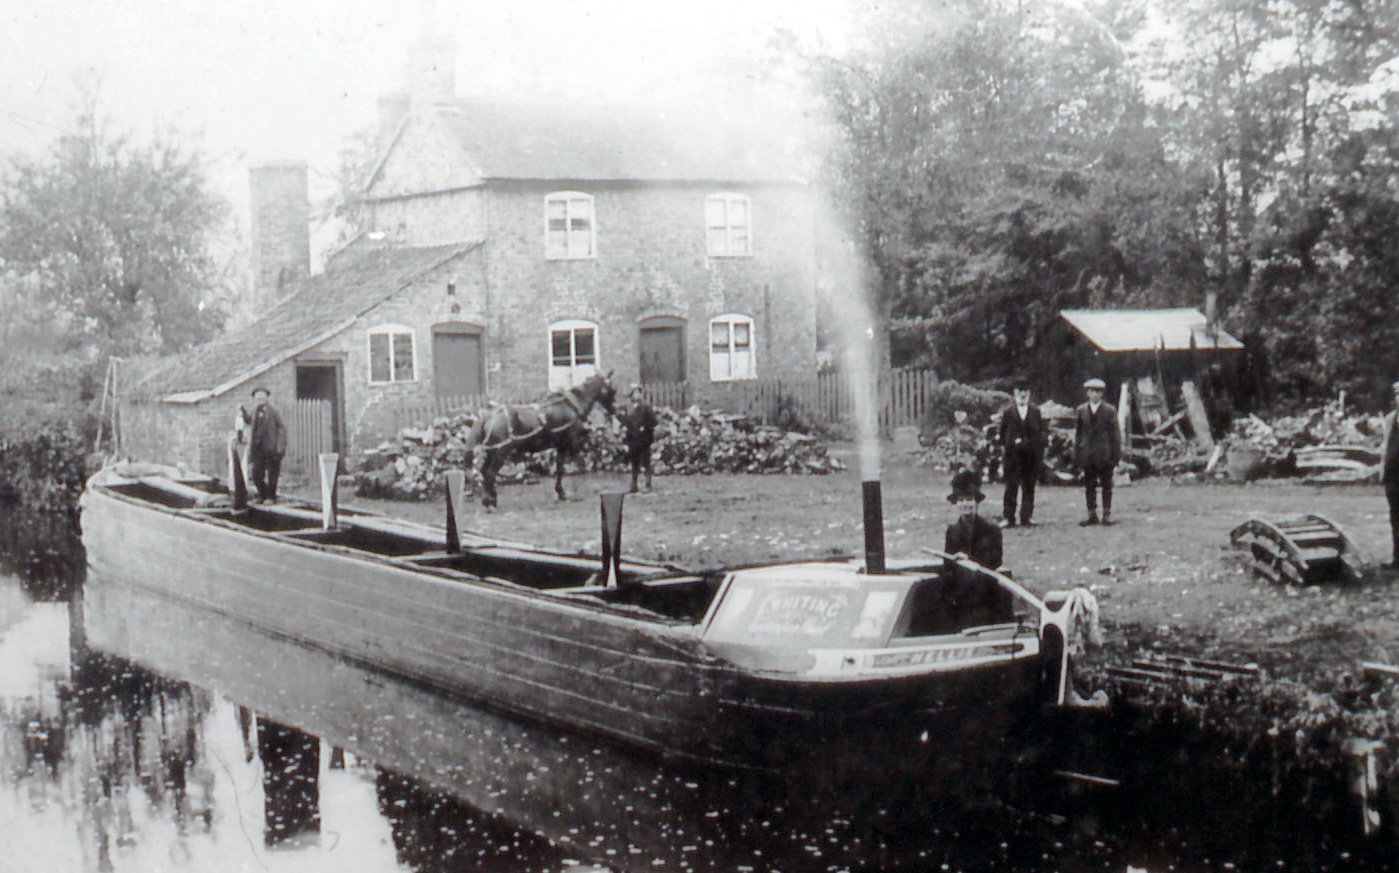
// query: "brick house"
[[507, 251]]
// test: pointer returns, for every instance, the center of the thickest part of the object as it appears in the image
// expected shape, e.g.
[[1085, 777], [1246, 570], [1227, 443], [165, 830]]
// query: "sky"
[[259, 80]]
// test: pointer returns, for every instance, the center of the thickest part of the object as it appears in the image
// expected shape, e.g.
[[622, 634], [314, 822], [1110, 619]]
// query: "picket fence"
[[900, 399]]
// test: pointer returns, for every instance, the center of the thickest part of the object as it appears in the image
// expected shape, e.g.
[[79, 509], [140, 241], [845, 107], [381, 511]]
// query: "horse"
[[557, 422]]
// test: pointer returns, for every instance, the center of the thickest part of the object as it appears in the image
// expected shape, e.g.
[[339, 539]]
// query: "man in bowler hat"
[[1389, 475], [267, 445], [971, 534], [1097, 449], [1022, 439]]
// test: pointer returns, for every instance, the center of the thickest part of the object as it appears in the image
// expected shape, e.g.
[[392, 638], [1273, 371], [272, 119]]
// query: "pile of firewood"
[[1323, 444], [687, 441]]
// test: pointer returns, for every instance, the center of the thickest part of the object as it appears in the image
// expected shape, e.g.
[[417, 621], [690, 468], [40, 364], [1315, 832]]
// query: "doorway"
[[324, 381], [458, 360], [662, 347]]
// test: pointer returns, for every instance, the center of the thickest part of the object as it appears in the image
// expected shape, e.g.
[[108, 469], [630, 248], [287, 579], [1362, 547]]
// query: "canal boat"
[[801, 664]]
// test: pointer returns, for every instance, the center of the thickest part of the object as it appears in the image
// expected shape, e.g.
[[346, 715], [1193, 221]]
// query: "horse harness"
[[554, 399]]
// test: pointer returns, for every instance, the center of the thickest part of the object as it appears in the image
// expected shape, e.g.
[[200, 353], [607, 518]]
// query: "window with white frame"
[[392, 355], [728, 226], [573, 353], [568, 225], [731, 348]]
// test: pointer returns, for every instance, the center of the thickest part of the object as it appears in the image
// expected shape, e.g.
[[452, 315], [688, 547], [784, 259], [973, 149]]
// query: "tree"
[[108, 239], [995, 160]]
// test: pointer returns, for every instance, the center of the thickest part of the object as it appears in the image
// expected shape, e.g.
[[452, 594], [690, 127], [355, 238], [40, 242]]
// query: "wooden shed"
[[1152, 351]]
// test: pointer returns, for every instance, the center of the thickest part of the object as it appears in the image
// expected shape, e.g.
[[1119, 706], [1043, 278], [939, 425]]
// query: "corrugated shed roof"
[[323, 305], [613, 144], [1141, 330]]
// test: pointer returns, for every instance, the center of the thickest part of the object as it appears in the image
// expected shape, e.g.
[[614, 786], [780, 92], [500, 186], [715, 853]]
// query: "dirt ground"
[[1163, 574]]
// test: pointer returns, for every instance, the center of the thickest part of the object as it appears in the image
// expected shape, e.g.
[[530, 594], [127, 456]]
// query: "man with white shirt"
[[1097, 449], [1022, 439]]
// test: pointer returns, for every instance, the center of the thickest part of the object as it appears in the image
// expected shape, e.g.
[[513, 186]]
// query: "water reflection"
[[139, 734]]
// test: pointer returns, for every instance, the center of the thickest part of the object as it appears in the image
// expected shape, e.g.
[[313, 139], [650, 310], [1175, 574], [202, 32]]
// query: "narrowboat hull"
[[579, 662]]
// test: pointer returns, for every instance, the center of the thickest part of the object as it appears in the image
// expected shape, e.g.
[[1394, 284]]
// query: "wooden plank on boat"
[[330, 469], [197, 496]]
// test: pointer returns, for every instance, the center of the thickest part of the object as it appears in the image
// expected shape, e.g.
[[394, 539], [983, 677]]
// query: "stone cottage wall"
[[651, 260]]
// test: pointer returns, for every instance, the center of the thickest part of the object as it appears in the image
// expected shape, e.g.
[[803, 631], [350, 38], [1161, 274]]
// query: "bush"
[[47, 423]]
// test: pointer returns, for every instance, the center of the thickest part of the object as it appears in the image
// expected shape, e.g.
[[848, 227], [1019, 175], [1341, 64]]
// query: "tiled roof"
[[323, 305], [1142, 330], [613, 144]]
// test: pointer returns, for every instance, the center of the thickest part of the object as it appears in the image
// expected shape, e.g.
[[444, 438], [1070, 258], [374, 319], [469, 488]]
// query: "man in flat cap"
[[267, 445], [1389, 475], [1097, 449]]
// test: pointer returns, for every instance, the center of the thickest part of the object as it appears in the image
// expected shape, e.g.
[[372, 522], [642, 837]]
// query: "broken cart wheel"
[[1299, 551]]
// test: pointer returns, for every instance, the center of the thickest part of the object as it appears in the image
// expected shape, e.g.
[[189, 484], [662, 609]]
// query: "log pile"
[[687, 441], [1323, 444]]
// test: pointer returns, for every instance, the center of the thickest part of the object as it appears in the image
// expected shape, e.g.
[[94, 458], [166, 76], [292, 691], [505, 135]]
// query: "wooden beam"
[[1199, 420]]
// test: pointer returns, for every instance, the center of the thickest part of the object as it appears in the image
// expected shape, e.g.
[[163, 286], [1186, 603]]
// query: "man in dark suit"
[[1097, 449], [971, 534], [639, 425], [1022, 439], [267, 445], [1389, 475]]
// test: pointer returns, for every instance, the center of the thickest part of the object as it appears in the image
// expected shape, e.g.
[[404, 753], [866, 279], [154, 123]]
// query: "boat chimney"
[[1212, 314], [873, 507], [611, 537]]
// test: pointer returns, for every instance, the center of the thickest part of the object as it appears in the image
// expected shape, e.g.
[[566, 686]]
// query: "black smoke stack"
[[874, 527]]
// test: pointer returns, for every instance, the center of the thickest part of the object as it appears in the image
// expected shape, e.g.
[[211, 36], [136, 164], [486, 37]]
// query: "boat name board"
[[919, 657]]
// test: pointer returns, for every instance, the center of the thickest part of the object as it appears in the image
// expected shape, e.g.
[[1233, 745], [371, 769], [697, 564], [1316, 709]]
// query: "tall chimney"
[[393, 108], [432, 62], [1212, 313], [281, 227]]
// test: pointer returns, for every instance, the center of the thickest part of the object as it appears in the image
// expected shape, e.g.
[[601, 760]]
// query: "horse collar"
[[570, 398]]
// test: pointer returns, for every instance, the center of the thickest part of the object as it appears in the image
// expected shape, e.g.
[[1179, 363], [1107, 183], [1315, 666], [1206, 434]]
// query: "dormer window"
[[568, 226], [728, 226]]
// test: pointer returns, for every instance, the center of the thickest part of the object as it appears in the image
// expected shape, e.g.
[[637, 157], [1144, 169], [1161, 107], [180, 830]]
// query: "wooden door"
[[457, 369], [662, 354]]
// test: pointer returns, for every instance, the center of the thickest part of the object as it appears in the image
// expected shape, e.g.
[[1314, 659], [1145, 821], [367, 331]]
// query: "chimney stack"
[[281, 228], [393, 108], [432, 61]]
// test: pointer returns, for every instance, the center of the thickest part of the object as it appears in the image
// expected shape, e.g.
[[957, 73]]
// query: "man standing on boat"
[[1389, 475], [1097, 449], [1022, 441], [267, 445], [639, 422], [970, 534]]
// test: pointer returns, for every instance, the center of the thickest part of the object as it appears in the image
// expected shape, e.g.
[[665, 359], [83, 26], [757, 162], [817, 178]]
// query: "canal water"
[[137, 734]]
